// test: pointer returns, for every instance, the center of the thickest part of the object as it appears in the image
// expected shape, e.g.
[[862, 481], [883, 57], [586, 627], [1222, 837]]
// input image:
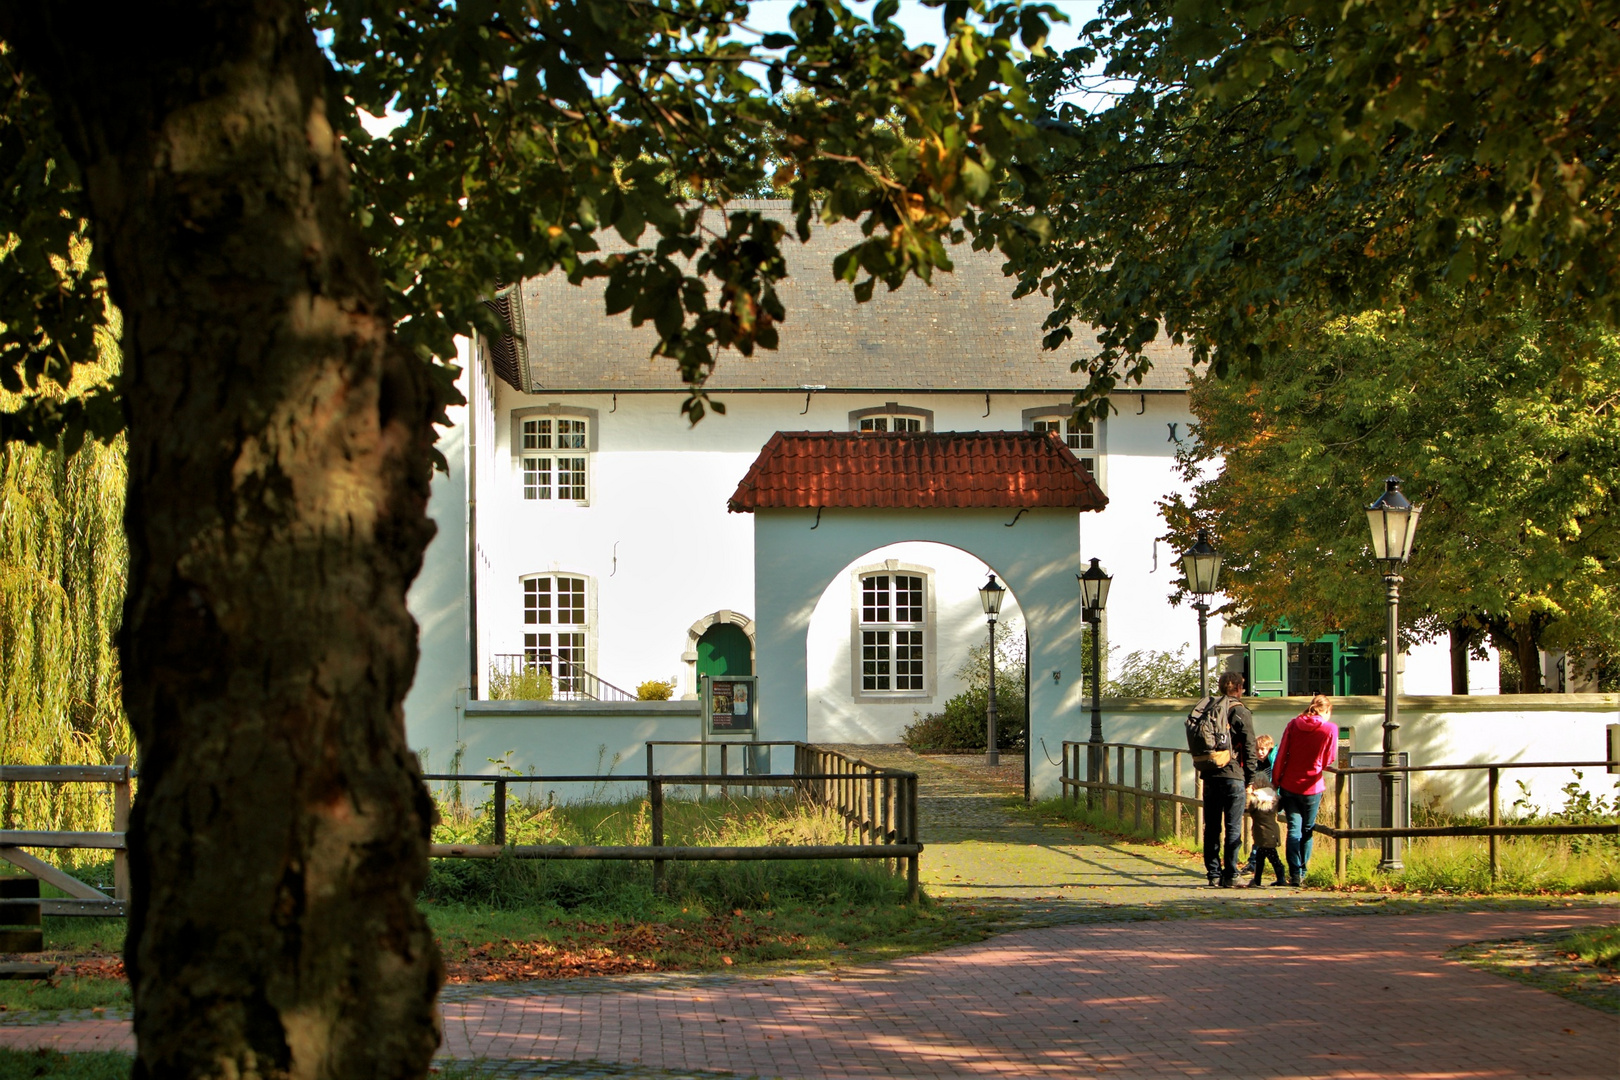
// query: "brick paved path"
[[1071, 996], [1327, 997]]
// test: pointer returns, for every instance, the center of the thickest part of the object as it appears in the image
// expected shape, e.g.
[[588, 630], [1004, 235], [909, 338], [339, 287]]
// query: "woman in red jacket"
[[1310, 743]]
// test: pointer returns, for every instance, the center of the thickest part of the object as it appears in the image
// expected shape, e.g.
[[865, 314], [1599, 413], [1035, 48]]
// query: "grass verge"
[[28, 1064], [1579, 966]]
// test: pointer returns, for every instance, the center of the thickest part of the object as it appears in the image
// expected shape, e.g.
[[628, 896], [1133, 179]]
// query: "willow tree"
[[287, 285], [62, 571]]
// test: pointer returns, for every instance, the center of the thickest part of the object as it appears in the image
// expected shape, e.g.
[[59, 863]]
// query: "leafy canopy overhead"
[[533, 126], [1255, 159], [1511, 447]]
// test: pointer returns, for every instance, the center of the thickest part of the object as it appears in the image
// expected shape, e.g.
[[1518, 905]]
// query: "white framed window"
[[554, 456], [890, 418], [1079, 435], [892, 633], [556, 629]]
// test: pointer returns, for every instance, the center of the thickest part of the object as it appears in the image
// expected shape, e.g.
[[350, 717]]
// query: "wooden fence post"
[[121, 804], [649, 757], [500, 813], [1100, 799], [1494, 817], [725, 789], [1175, 788], [1339, 825], [912, 889], [1136, 813], [1198, 808], [1119, 782], [655, 796], [1158, 761]]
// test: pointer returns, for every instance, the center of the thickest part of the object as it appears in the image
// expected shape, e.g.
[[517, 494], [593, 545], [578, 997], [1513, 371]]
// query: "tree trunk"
[[1528, 655], [278, 464]]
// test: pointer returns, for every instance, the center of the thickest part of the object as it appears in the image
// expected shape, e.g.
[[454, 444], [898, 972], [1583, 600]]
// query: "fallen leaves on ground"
[[612, 948]]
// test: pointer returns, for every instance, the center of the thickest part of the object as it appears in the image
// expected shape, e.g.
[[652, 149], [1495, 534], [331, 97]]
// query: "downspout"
[[475, 385]]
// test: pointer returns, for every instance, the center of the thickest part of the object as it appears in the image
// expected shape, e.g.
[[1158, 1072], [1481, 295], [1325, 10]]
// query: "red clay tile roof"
[[916, 471]]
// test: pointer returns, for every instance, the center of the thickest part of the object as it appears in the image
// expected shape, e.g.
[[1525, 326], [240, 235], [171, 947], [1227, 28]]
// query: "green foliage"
[[1150, 673], [519, 682], [961, 724], [1238, 164], [656, 690], [1509, 441], [63, 562], [512, 164]]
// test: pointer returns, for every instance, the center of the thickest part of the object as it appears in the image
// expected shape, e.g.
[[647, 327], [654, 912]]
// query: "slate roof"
[[963, 332], [914, 470]]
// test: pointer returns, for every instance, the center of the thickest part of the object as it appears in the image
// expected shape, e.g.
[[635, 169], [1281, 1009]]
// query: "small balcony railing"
[[546, 677]]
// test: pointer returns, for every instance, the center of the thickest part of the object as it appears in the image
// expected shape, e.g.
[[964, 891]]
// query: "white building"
[[584, 524]]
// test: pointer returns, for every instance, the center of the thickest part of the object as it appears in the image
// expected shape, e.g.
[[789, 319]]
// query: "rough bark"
[[278, 464]]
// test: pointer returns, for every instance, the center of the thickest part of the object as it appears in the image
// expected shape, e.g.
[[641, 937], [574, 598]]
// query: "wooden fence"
[[878, 807], [82, 899], [1145, 786], [1493, 828]]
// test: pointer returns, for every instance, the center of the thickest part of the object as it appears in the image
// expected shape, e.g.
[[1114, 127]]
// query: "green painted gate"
[[725, 650]]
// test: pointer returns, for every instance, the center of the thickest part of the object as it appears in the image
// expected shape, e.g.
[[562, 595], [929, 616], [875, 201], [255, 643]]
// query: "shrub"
[[961, 724], [655, 690], [520, 683], [1149, 673]]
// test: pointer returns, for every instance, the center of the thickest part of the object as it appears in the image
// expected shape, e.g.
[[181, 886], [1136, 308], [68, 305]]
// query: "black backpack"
[[1209, 737]]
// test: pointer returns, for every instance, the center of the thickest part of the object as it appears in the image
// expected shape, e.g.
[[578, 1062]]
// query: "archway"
[[949, 622], [721, 643]]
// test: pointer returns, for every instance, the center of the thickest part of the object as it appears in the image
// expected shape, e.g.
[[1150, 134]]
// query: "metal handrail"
[[570, 681]]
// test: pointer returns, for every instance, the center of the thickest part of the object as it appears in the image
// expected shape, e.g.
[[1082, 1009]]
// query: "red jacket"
[[1309, 745]]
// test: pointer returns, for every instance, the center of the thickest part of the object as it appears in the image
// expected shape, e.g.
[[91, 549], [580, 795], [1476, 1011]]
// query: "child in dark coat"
[[1262, 809]]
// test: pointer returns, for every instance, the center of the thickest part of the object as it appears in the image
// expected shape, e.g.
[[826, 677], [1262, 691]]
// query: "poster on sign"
[[731, 704]]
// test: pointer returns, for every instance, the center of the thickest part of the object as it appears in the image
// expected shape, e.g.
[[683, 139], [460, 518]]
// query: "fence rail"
[[1493, 829], [878, 807], [82, 899]]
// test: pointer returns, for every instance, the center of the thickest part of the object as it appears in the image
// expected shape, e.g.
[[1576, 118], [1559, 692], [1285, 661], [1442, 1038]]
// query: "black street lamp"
[[1202, 565], [990, 596], [1393, 521], [1093, 598]]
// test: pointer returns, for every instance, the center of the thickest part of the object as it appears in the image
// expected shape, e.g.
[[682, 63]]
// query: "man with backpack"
[[1220, 734]]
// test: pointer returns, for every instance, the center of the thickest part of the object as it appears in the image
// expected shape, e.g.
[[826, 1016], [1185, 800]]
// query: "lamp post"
[[990, 596], [1202, 565], [1393, 521], [1093, 598]]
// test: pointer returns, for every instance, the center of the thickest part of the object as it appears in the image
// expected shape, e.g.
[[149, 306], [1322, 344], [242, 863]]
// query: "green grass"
[[27, 1064], [1461, 864], [18, 995], [1600, 946]]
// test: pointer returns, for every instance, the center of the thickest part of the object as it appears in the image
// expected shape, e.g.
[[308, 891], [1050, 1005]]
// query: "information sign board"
[[731, 705]]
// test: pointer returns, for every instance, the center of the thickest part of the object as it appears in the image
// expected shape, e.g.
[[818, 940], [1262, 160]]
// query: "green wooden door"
[[1268, 668], [725, 650]]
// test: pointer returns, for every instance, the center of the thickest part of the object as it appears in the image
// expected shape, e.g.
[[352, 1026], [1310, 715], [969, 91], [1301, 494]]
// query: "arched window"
[[891, 417]]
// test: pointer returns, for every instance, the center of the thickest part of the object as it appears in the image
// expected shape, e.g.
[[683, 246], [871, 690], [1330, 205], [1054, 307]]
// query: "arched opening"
[[721, 643], [891, 636]]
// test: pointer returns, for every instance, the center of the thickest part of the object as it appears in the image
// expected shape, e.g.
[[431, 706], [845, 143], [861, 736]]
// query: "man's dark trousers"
[[1223, 825]]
